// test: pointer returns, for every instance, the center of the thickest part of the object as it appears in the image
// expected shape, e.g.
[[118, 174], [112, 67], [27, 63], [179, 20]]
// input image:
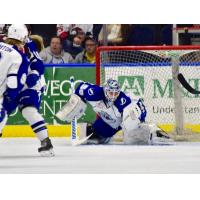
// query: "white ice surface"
[[19, 155]]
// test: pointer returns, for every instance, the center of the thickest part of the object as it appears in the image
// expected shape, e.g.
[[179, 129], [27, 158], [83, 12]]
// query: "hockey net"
[[150, 72]]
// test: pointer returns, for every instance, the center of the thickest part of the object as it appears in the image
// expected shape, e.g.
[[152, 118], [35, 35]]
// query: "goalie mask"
[[111, 90]]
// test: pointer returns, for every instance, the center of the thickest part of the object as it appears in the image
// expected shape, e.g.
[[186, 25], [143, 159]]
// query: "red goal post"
[[151, 72]]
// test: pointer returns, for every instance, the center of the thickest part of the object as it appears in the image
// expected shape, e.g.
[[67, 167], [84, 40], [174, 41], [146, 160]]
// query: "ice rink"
[[19, 155]]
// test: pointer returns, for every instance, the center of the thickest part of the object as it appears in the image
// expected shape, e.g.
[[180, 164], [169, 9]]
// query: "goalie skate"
[[46, 149], [160, 138]]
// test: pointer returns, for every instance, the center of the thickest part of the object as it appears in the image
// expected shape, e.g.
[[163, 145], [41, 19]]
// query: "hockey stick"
[[74, 134], [186, 85], [75, 141], [81, 141]]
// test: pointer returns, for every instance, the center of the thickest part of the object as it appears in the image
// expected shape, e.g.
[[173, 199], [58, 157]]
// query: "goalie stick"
[[186, 85], [74, 135]]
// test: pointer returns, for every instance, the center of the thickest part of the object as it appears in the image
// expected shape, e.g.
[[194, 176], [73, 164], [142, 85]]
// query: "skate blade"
[[163, 142], [49, 153]]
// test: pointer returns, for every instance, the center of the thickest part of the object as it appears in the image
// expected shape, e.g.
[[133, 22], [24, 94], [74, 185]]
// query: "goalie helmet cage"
[[150, 72]]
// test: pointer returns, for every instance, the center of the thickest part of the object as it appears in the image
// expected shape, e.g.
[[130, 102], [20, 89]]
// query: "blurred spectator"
[[74, 47], [142, 34], [3, 31], [65, 30], [68, 32], [117, 34], [96, 30], [55, 54], [150, 34], [46, 31], [89, 54]]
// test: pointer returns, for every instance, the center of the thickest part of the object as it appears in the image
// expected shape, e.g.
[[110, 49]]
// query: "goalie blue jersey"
[[110, 112]]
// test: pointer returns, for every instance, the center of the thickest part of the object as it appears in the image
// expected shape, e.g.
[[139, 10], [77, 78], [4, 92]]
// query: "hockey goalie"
[[116, 111]]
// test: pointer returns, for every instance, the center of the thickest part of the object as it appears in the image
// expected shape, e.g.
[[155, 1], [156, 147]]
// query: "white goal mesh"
[[151, 73]]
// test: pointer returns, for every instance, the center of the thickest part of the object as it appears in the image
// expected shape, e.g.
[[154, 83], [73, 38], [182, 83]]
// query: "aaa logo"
[[132, 84]]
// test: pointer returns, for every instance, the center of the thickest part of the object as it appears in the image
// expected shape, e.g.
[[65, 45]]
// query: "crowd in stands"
[[77, 43]]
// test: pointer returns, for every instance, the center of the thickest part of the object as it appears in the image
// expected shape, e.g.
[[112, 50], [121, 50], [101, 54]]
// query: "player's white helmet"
[[18, 32], [112, 89]]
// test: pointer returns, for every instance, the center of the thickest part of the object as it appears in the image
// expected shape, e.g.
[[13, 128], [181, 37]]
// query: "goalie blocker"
[[119, 113]]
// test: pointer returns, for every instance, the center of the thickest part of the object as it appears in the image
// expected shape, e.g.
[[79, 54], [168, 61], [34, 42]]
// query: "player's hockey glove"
[[32, 80], [9, 100]]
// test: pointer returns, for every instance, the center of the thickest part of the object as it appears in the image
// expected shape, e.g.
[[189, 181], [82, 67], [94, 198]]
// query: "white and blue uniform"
[[35, 83], [109, 114], [29, 99], [14, 69], [20, 84]]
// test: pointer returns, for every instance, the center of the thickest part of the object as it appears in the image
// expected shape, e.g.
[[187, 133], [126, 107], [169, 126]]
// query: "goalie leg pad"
[[139, 136], [75, 107], [147, 134]]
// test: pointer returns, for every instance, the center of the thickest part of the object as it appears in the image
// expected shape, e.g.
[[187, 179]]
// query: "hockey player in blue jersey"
[[116, 111], [29, 97]]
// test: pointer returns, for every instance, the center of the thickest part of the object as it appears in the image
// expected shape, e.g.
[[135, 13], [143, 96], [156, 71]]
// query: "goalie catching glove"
[[75, 107]]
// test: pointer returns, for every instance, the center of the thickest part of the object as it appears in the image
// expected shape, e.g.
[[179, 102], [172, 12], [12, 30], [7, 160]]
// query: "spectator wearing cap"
[[89, 54], [54, 54]]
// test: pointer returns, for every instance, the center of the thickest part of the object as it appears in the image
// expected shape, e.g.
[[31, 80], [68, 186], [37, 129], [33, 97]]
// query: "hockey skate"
[[160, 137], [46, 149]]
